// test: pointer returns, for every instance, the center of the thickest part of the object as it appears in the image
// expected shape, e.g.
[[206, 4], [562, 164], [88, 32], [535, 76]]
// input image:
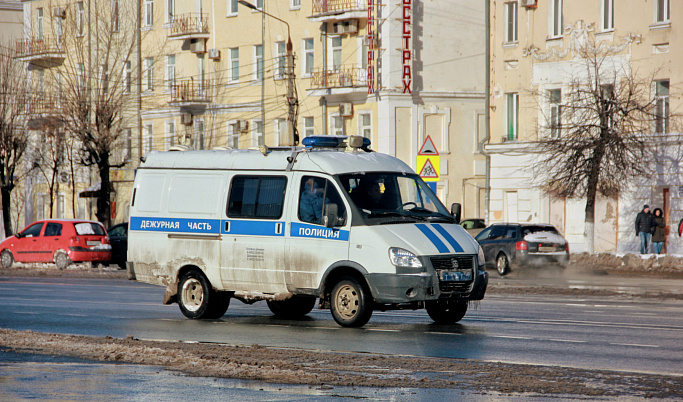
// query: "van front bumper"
[[407, 288]]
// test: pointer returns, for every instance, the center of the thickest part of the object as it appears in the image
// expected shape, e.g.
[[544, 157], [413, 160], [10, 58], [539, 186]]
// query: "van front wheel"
[[197, 300], [351, 304], [294, 307]]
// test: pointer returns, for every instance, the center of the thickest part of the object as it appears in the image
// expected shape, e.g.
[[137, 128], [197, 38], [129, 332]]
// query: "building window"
[[257, 133], [235, 64], [170, 72], [259, 4], [233, 135], [170, 134], [80, 18], [127, 145], [511, 116], [201, 68], [280, 60], [232, 7], [127, 77], [308, 59], [80, 76], [148, 75], [170, 10], [365, 125], [104, 77], [148, 138], [148, 14], [258, 62], [662, 10], [511, 22], [199, 134], [607, 15], [336, 52], [294, 4], [39, 12], [59, 27], [556, 18], [337, 125], [555, 99], [114, 15], [309, 127], [282, 132], [662, 106]]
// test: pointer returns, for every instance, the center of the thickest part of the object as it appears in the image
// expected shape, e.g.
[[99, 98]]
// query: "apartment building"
[[211, 74], [11, 20], [533, 50]]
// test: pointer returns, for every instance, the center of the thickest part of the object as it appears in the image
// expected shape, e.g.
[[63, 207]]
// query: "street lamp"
[[292, 101]]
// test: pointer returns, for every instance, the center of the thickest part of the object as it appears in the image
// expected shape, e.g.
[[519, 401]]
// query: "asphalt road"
[[588, 332]]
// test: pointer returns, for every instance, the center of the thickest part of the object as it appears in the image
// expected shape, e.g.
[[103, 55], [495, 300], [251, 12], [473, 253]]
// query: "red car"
[[61, 241]]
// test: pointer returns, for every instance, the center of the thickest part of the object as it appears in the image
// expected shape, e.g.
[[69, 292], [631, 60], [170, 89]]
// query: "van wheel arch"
[[337, 272], [171, 293]]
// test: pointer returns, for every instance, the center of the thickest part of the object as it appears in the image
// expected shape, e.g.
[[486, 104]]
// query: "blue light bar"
[[329, 141]]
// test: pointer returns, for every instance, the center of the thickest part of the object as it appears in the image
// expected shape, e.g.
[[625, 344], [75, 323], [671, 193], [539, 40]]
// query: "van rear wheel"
[[447, 311], [351, 303], [197, 300], [294, 307]]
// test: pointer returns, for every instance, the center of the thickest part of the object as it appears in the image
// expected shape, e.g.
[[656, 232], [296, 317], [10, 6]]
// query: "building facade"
[[533, 51]]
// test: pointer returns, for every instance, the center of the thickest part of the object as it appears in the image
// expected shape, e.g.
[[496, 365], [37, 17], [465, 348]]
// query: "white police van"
[[332, 220]]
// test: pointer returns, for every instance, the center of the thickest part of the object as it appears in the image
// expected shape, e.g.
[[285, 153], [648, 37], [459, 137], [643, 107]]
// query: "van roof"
[[325, 161]]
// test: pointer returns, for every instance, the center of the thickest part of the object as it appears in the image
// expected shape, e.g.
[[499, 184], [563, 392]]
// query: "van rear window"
[[257, 197]]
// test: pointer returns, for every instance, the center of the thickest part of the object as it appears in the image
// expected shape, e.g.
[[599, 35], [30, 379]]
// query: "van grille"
[[454, 263], [458, 287]]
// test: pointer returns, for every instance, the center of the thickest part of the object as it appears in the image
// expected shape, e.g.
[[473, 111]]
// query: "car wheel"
[[502, 264], [350, 304], [62, 260], [294, 307], [197, 300], [446, 311], [6, 259]]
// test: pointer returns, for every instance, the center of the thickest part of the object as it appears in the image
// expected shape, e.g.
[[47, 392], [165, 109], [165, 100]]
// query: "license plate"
[[93, 242], [546, 249], [456, 276]]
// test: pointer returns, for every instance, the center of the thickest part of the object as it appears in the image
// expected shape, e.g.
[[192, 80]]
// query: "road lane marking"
[[511, 337], [635, 345], [567, 340], [443, 333], [383, 330]]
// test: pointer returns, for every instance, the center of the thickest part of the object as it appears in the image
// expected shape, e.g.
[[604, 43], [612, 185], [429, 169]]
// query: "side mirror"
[[18, 235], [456, 209], [330, 215]]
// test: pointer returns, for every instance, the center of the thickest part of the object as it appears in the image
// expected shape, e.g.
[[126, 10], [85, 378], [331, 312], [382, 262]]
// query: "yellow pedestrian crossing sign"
[[428, 161]]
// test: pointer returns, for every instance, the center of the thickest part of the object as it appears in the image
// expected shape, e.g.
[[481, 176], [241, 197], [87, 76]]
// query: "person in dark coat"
[[644, 228], [658, 230]]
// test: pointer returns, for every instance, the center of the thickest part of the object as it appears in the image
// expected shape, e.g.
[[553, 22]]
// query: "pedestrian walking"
[[658, 230], [644, 228]]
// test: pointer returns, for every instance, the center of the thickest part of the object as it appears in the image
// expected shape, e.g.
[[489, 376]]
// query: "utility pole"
[[292, 99]]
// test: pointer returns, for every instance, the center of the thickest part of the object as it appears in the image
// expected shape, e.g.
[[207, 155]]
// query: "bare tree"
[[14, 101], [49, 157], [598, 137]]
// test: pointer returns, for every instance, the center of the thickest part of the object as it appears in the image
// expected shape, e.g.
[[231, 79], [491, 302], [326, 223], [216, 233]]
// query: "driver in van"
[[311, 204], [370, 196]]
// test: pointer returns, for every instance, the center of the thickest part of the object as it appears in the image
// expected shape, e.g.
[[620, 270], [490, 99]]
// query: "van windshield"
[[385, 198]]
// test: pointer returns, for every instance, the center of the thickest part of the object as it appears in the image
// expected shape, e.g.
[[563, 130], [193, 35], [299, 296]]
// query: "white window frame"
[[511, 100], [41, 27], [127, 76], [336, 130], [308, 58], [115, 15], [280, 60], [148, 14], [555, 18], [148, 138], [233, 134], [148, 75], [662, 112], [554, 113], [257, 138], [58, 28], [170, 72], [80, 19], [233, 8], [199, 134], [334, 49], [170, 11], [662, 8], [234, 64], [294, 4], [80, 76], [309, 126], [127, 145], [259, 5], [362, 127], [607, 15], [170, 134], [258, 63], [511, 22], [104, 79]]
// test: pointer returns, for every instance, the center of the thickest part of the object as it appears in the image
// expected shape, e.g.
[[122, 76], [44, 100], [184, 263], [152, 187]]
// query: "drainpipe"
[[487, 112], [323, 101]]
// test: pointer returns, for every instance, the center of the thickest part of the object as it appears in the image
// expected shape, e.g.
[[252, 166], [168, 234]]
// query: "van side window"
[[257, 197], [312, 193]]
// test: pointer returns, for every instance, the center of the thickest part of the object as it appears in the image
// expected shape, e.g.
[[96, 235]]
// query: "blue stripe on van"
[[318, 232], [253, 228], [443, 232], [175, 225], [432, 237]]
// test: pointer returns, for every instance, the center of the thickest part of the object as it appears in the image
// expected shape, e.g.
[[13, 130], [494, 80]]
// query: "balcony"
[[45, 110], [337, 10], [191, 94], [343, 80], [44, 52], [189, 26]]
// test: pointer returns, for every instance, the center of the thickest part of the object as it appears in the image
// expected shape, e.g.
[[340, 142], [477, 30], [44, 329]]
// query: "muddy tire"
[[198, 300], [351, 303], [62, 260], [6, 259], [447, 311], [294, 307], [502, 264]]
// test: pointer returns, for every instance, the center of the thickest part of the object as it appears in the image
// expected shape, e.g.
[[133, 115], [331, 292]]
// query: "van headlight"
[[481, 260], [404, 258]]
